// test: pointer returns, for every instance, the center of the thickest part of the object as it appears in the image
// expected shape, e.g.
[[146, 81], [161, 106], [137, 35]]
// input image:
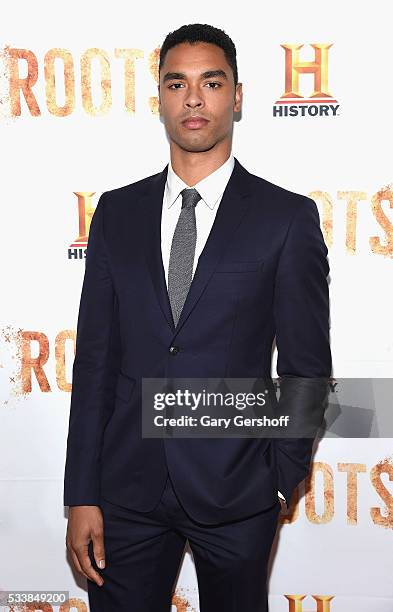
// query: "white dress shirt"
[[211, 190]]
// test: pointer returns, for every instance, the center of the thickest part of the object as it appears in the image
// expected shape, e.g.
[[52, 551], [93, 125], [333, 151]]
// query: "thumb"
[[99, 551]]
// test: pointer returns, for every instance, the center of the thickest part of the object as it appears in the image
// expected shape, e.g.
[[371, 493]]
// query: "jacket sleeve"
[[94, 370], [301, 312]]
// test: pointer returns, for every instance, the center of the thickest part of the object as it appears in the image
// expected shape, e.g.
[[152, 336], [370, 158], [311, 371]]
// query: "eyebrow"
[[209, 74]]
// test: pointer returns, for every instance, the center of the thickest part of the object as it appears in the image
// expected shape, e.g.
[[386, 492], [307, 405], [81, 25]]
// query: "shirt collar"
[[210, 188]]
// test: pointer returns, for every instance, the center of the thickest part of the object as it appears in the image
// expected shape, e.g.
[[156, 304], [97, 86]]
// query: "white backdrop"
[[334, 552]]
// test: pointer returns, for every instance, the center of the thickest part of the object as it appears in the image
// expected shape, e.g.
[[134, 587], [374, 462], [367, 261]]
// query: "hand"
[[85, 523]]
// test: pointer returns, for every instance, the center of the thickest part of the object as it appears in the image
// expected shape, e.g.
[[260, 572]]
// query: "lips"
[[195, 123]]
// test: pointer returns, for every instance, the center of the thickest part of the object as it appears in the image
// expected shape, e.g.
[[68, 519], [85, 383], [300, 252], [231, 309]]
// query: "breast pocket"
[[239, 266]]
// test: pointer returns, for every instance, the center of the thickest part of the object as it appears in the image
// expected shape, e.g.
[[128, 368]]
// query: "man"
[[191, 272]]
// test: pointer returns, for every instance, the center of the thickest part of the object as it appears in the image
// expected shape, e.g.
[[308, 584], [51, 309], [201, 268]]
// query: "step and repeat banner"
[[78, 116]]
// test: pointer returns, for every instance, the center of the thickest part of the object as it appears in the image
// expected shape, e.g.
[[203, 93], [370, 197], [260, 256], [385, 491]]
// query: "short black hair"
[[201, 32]]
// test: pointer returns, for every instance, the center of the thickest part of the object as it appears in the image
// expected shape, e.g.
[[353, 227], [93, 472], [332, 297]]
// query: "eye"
[[210, 84]]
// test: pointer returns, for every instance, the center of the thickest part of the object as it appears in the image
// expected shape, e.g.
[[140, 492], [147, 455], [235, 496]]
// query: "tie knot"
[[190, 198]]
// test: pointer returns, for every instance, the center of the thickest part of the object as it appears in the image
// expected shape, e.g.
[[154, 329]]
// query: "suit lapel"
[[232, 208], [151, 205]]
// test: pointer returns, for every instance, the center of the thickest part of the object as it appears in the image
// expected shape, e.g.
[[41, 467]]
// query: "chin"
[[196, 147]]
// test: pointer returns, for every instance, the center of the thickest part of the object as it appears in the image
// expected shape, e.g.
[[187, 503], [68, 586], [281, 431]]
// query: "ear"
[[238, 98]]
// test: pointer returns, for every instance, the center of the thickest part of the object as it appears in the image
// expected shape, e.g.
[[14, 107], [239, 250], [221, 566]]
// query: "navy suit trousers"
[[144, 551]]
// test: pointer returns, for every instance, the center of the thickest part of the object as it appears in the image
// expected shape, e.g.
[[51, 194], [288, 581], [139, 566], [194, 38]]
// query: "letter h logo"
[[294, 67]]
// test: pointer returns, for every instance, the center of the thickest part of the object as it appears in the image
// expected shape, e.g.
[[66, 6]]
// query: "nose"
[[193, 99]]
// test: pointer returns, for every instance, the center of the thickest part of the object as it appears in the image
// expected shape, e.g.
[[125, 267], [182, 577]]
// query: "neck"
[[192, 167]]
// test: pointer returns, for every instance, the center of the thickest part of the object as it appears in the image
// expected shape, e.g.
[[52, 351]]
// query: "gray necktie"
[[181, 259]]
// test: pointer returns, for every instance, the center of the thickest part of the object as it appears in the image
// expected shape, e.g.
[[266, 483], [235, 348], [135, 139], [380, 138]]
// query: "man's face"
[[197, 96]]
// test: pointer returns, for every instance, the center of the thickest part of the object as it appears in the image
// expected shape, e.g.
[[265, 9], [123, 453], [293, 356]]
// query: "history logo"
[[77, 249], [320, 102]]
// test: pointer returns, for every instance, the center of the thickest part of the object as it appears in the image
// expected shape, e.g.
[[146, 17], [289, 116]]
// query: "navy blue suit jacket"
[[262, 275]]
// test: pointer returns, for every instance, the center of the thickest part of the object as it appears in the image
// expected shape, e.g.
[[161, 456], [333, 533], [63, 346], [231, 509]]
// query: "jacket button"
[[174, 350]]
